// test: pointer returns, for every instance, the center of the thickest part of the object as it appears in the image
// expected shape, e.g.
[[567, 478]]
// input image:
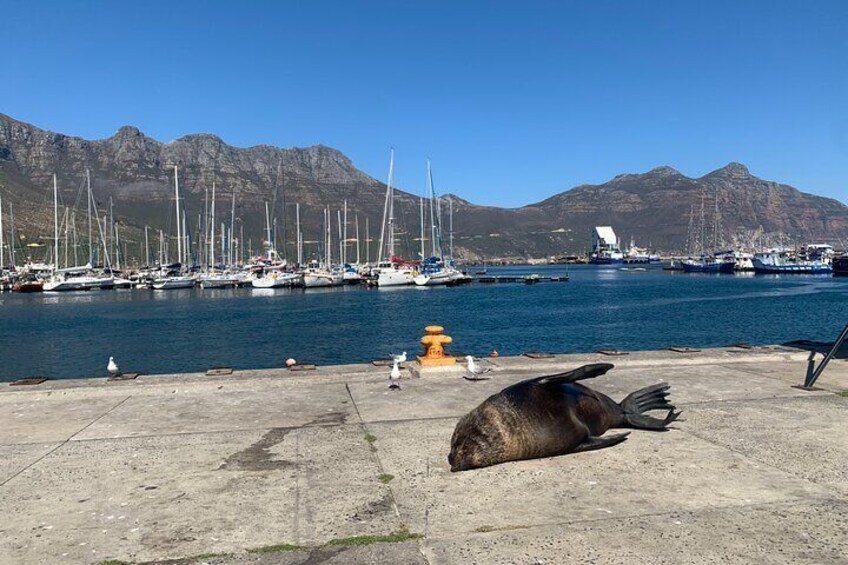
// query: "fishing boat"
[[783, 262], [605, 247], [707, 264]]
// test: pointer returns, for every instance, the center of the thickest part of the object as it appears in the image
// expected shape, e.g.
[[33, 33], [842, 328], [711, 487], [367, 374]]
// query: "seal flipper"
[[644, 400], [584, 372], [592, 443]]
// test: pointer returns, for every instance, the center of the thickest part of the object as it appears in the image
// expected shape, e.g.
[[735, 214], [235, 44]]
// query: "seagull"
[[112, 367], [394, 377], [398, 358], [475, 372]]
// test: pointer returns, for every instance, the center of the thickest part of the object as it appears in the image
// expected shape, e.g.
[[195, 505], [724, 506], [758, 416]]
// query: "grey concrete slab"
[[443, 397], [803, 436], [783, 533], [177, 466], [43, 418], [15, 458], [697, 383], [834, 377], [649, 473], [179, 495], [218, 409]]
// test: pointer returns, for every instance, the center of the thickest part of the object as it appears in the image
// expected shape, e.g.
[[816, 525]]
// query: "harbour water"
[[72, 335]]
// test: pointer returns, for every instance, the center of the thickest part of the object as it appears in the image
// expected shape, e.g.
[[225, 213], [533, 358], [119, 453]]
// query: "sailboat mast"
[[386, 207], [161, 249], [146, 248], [65, 222], [451, 227], [432, 195], [339, 224], [299, 235], [223, 241], [117, 249], [344, 236], [358, 244], [230, 256], [88, 190], [268, 230], [421, 203], [186, 246], [329, 243], [55, 223], [212, 234], [367, 242], [177, 203], [12, 235]]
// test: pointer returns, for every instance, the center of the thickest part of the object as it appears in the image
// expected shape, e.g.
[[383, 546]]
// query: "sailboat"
[[173, 278], [273, 276], [316, 275], [76, 277], [212, 278], [436, 270], [391, 271]]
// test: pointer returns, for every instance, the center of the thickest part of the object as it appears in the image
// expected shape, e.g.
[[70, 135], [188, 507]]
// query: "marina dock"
[[330, 466]]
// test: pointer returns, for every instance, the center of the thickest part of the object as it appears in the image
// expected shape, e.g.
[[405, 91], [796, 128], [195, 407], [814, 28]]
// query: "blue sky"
[[513, 101]]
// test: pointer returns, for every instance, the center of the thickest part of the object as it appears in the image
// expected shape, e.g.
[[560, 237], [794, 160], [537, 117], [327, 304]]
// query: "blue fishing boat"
[[708, 265]]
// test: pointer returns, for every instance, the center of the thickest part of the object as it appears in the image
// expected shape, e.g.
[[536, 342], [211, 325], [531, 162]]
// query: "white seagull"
[[475, 372], [112, 367], [398, 358], [394, 377]]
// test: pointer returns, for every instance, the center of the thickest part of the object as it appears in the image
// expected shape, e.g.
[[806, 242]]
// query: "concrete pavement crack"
[[85, 427]]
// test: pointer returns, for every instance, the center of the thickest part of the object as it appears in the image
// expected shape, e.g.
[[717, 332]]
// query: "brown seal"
[[552, 415]]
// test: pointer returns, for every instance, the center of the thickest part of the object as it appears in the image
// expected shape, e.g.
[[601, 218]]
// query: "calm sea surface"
[[73, 335]]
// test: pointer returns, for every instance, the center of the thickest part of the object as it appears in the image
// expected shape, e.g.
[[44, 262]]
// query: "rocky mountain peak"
[[126, 132], [664, 170], [732, 170]]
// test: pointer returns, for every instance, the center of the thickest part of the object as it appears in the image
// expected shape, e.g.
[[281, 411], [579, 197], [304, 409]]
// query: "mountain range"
[[661, 208]]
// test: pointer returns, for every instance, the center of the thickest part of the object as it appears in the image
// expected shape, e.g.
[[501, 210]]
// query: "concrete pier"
[[330, 466]]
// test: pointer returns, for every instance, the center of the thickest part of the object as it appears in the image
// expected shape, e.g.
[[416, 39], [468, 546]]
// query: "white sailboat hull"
[[217, 282], [395, 277], [79, 283], [434, 279], [172, 283], [318, 280], [276, 280]]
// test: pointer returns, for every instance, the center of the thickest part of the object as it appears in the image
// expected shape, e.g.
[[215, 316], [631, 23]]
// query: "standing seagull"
[[394, 377], [475, 372], [112, 367], [398, 358]]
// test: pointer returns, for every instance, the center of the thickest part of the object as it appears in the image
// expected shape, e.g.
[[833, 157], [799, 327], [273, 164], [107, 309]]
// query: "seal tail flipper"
[[591, 443], [644, 400]]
